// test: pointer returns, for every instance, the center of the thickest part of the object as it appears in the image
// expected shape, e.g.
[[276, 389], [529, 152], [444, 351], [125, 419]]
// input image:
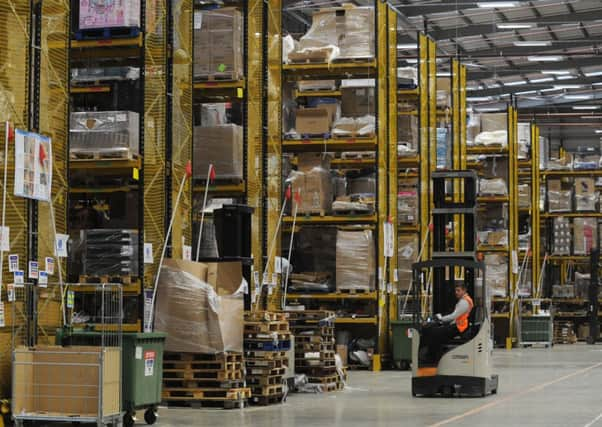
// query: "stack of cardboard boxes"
[[221, 146], [313, 183]]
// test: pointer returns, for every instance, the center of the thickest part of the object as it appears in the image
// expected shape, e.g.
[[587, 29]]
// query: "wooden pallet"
[[267, 364], [266, 372], [200, 394], [312, 339], [267, 400], [265, 355], [314, 363], [265, 327], [125, 154], [105, 278], [353, 212], [179, 374], [202, 384], [316, 371], [206, 404], [264, 380], [265, 316], [353, 135], [203, 357], [219, 366], [268, 390], [232, 76], [267, 345], [324, 379], [107, 33], [303, 347], [321, 331], [357, 155], [354, 291]]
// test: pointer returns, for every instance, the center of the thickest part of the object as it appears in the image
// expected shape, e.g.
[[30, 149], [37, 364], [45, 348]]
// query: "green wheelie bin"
[[402, 344], [141, 371]]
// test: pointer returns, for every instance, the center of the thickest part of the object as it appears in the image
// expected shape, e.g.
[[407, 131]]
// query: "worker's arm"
[[461, 308]]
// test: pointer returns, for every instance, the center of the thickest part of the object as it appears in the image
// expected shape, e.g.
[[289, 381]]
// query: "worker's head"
[[460, 290]]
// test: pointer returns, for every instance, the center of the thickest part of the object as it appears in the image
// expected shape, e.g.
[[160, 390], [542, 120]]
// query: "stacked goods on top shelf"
[[315, 349], [118, 19], [266, 365]]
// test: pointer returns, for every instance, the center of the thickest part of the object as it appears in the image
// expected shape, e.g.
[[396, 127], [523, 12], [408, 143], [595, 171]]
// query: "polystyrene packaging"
[[360, 126], [356, 260], [497, 274], [357, 41], [196, 317], [498, 137], [104, 131], [493, 187], [105, 14]]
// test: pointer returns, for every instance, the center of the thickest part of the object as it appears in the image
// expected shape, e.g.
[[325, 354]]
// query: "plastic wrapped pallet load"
[[200, 306], [115, 14], [221, 146], [497, 274], [314, 183], [112, 132], [218, 44], [356, 260], [407, 253]]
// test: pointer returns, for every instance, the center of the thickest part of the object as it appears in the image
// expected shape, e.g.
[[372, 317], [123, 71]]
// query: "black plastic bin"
[[233, 230]]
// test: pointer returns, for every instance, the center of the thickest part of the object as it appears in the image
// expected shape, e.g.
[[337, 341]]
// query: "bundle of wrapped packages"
[[200, 306], [525, 283], [559, 196], [497, 274], [585, 235], [493, 187], [493, 237], [407, 254], [337, 33], [407, 206], [561, 244], [524, 140], [407, 135], [586, 196], [407, 77], [312, 180], [586, 161], [582, 282], [498, 137], [524, 195], [561, 163], [355, 127], [360, 197], [221, 146], [356, 260]]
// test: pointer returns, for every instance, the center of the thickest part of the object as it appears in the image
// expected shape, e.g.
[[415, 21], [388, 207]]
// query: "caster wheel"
[[494, 391], [150, 416], [129, 420], [404, 365]]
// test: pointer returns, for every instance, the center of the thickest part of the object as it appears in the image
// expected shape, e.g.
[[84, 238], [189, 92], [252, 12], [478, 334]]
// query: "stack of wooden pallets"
[[315, 348], [205, 380], [267, 339], [564, 332]]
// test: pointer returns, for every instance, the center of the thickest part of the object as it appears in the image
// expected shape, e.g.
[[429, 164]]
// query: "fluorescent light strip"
[[577, 97], [517, 26], [568, 86], [593, 74], [487, 110], [565, 77], [517, 83], [556, 72], [407, 46], [586, 107], [546, 79], [545, 58], [527, 92], [598, 131], [478, 98], [591, 117], [532, 43], [497, 4]]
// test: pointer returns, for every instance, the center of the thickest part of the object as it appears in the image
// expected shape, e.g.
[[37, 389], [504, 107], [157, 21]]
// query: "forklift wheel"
[[128, 420], [150, 416]]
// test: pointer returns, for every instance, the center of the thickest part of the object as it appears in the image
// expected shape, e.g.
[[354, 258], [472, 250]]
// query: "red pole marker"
[[431, 226], [287, 193], [298, 197], [211, 173], [188, 169], [11, 133]]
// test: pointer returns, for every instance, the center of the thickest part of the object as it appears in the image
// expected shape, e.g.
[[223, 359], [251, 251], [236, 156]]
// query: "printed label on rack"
[[136, 174], [148, 253], [149, 363], [240, 93], [60, 249], [274, 279], [389, 288], [514, 262], [121, 117], [49, 265], [5, 239], [2, 318], [256, 281], [70, 299], [19, 277], [10, 292], [138, 352], [265, 279], [396, 275], [278, 264], [43, 279], [13, 263], [187, 253], [198, 20], [148, 305], [33, 270], [388, 239], [380, 273]]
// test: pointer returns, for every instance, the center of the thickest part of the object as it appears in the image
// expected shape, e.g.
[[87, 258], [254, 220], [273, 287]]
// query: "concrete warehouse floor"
[[538, 387]]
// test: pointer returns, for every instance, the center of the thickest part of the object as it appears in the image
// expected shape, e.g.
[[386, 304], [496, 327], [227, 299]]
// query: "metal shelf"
[[317, 93], [210, 85], [489, 248], [571, 173], [90, 89], [336, 144], [408, 93], [493, 199], [353, 67], [487, 150], [221, 188], [336, 296], [408, 228], [114, 165], [330, 219], [408, 162], [572, 214], [352, 163], [120, 42], [102, 190]]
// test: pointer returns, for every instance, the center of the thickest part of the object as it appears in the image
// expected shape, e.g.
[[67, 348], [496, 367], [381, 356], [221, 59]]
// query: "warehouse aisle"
[[536, 386]]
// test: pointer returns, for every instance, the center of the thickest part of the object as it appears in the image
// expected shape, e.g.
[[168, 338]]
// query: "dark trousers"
[[434, 337]]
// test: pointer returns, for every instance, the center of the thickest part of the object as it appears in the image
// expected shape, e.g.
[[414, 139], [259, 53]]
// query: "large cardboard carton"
[[309, 161], [221, 146], [120, 13], [356, 260], [198, 306], [492, 122], [315, 187], [313, 121], [357, 101], [218, 38]]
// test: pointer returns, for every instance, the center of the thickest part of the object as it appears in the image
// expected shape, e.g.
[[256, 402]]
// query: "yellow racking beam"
[[274, 140], [393, 161], [182, 124], [255, 170]]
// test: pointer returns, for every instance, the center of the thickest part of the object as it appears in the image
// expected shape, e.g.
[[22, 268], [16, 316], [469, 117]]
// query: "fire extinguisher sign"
[[149, 363]]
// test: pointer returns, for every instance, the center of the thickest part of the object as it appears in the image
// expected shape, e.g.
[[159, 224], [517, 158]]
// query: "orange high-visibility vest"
[[462, 320]]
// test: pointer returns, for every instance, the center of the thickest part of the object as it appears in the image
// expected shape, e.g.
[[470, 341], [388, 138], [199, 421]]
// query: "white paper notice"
[[2, 318], [33, 270], [60, 249], [388, 239], [13, 263], [187, 253], [5, 239], [514, 262], [19, 277], [43, 279], [148, 253], [49, 266]]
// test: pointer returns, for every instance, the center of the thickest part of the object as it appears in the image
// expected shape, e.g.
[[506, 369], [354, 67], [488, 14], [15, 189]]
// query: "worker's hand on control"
[[438, 317]]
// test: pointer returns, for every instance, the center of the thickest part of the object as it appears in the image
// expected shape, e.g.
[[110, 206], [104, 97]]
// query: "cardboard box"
[[524, 195], [120, 13], [312, 121], [198, 307], [308, 161], [342, 351], [315, 186], [65, 381], [356, 260], [218, 41], [357, 101], [221, 146]]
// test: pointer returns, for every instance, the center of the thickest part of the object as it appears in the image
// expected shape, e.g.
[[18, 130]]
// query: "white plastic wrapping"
[[356, 260], [585, 235], [221, 146], [407, 253], [493, 237], [559, 201], [498, 137], [497, 274], [360, 126], [493, 187], [407, 206], [524, 195], [105, 131]]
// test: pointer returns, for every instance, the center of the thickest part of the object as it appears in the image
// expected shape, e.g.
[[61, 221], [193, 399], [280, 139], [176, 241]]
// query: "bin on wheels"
[[141, 369], [402, 344]]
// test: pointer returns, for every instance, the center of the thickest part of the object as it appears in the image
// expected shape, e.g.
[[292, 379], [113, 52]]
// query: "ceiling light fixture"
[[516, 83], [488, 109], [407, 46], [567, 86], [586, 107], [565, 77], [593, 74], [532, 43], [545, 58], [591, 117], [527, 92], [517, 26], [478, 98], [598, 130], [497, 4], [577, 97], [545, 79], [556, 72]]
